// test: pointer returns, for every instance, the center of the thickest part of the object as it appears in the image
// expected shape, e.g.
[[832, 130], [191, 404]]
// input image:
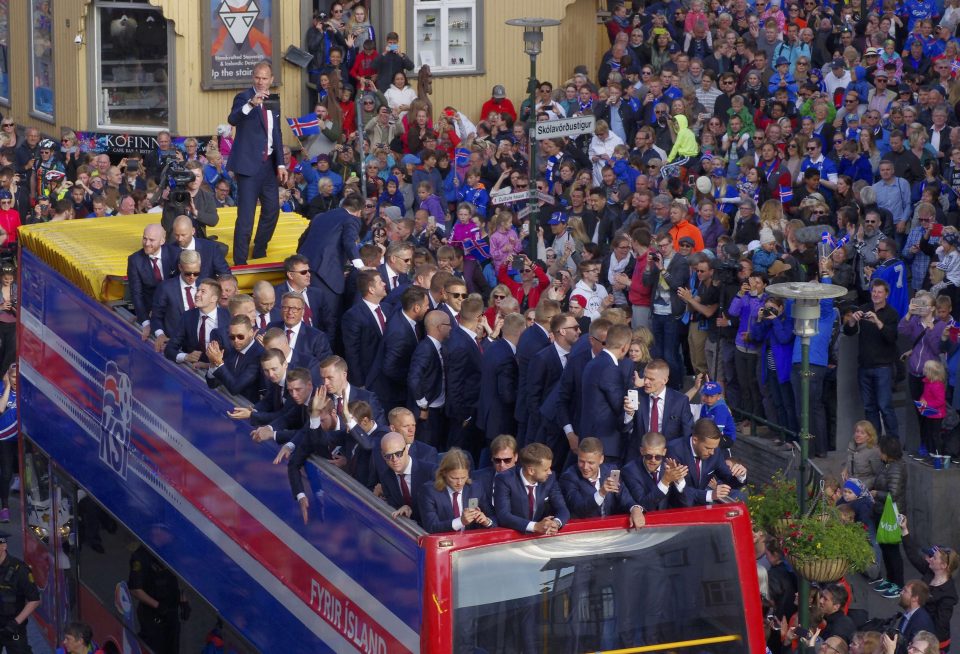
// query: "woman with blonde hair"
[[863, 455], [578, 231], [795, 154], [920, 143], [771, 215], [498, 295]]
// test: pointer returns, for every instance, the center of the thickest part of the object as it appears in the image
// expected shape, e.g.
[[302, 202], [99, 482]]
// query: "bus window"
[[675, 586]]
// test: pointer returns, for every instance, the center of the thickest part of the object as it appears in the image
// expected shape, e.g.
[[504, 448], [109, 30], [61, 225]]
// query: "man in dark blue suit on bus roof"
[[402, 481], [388, 374], [592, 491], [257, 164], [213, 263], [654, 480], [668, 408], [238, 366], [604, 395], [316, 314], [445, 502], [173, 298], [534, 338], [330, 243], [200, 326], [543, 374], [304, 339], [146, 269], [498, 381], [527, 497], [426, 392], [364, 324], [704, 459]]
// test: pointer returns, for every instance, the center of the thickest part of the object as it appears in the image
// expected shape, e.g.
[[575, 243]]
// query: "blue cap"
[[783, 61], [557, 218], [711, 388], [410, 159], [298, 168], [6, 195], [855, 486]]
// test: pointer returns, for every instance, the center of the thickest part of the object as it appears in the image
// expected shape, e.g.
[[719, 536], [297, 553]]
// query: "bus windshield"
[[677, 587]]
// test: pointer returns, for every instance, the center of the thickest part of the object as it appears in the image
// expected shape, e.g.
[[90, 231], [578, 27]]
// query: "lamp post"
[[532, 45], [806, 298]]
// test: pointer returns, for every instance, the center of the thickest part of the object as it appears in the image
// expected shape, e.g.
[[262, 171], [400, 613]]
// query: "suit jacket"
[[498, 391], [292, 423], [512, 505], [388, 374], [919, 621], [357, 394], [676, 419], [322, 317], [601, 396], [421, 473], [240, 373], [168, 308], [362, 450], [715, 466], [213, 262], [361, 338], [425, 377], [532, 340], [309, 443], [274, 402], [330, 243], [543, 374], [463, 362], [403, 280], [436, 508], [484, 478], [562, 406], [312, 345], [140, 279], [648, 494], [251, 136], [579, 495], [677, 275], [391, 303], [186, 339]]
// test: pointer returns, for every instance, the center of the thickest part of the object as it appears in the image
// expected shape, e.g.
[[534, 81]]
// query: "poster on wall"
[[125, 144], [4, 47], [236, 35], [41, 15]]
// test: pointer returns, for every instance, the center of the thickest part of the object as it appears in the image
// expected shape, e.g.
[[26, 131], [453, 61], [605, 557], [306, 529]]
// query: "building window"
[[447, 34], [133, 66], [41, 63], [4, 50]]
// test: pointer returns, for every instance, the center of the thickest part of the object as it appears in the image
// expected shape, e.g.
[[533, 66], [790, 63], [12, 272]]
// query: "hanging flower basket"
[[820, 570]]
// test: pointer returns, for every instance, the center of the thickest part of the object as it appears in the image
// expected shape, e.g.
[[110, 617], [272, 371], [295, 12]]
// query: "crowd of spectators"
[[428, 343]]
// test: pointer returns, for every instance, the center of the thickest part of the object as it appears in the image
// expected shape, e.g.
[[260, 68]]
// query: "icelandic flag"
[[304, 125], [478, 248]]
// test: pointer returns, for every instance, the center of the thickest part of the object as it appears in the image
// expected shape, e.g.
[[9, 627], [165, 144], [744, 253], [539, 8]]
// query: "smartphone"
[[936, 230], [615, 475], [634, 398], [133, 166], [473, 503]]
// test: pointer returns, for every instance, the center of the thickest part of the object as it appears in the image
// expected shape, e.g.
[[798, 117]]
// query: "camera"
[[176, 177], [768, 312], [802, 633]]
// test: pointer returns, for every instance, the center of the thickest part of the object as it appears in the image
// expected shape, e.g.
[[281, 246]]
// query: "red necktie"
[[656, 477], [157, 275], [531, 500], [202, 336], [405, 491], [289, 335], [380, 319], [307, 314], [189, 291], [456, 504], [655, 414], [263, 321], [340, 406], [697, 461]]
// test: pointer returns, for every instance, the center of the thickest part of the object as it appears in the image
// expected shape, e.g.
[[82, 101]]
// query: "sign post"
[[550, 129]]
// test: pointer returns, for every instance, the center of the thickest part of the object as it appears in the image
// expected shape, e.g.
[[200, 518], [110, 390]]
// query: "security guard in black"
[[19, 598], [160, 602]]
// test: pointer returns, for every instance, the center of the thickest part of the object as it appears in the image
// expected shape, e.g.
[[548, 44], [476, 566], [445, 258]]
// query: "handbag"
[[888, 529]]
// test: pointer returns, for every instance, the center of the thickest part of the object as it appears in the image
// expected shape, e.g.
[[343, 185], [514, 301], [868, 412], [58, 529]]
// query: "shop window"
[[4, 50], [447, 36], [133, 66], [41, 63]]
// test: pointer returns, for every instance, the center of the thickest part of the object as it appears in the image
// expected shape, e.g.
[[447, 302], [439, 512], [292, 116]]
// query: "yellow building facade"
[[135, 67]]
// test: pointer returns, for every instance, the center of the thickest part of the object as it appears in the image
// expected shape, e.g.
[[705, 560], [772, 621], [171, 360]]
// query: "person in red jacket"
[[639, 294], [499, 103], [9, 218], [533, 281]]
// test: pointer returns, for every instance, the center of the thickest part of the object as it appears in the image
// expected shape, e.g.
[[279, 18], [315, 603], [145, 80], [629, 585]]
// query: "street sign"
[[564, 127], [512, 197], [546, 197], [523, 213]]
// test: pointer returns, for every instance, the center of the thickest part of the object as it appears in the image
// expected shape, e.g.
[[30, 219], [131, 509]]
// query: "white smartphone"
[[634, 398], [615, 475], [473, 503]]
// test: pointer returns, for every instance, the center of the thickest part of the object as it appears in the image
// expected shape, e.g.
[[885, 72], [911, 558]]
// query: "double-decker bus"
[[123, 450]]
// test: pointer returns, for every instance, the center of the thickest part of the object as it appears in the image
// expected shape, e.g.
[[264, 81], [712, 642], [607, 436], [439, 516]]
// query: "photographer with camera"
[[186, 197], [774, 332]]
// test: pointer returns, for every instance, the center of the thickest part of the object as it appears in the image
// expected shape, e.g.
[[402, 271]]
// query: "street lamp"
[[532, 46], [806, 298]]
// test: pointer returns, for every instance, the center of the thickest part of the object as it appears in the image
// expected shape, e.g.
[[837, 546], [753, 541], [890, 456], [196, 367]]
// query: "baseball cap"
[[783, 61], [686, 240], [711, 388], [410, 159], [392, 212], [579, 299], [557, 218], [872, 52], [6, 195], [880, 73], [499, 92], [838, 63]]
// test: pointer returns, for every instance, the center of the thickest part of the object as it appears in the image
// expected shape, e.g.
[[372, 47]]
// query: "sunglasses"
[[653, 457], [236, 337], [502, 461], [460, 296], [390, 456], [812, 148], [8, 124]]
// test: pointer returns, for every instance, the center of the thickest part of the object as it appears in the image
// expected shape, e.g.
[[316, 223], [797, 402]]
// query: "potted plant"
[[821, 547], [773, 506]]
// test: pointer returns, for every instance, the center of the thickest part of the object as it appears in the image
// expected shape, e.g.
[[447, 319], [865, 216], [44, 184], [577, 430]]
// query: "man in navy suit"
[[146, 268], [200, 326], [534, 338], [543, 374], [275, 399], [334, 375], [702, 456], [422, 277], [445, 502], [213, 264], [289, 423], [304, 340], [363, 326], [498, 381], [330, 243], [402, 482], [238, 368], [916, 618], [462, 361], [314, 441], [426, 392], [265, 301], [454, 293], [173, 298], [527, 497], [655, 481], [503, 455], [592, 491], [388, 374], [661, 409], [315, 313], [603, 395], [561, 409], [361, 442], [395, 270], [256, 162]]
